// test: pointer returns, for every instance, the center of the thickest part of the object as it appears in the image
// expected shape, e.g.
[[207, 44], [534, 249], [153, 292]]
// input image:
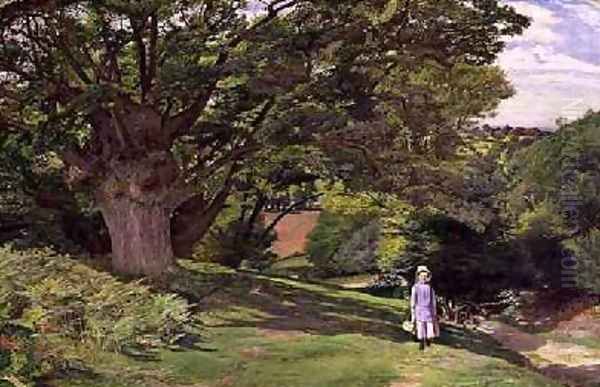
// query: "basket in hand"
[[409, 326]]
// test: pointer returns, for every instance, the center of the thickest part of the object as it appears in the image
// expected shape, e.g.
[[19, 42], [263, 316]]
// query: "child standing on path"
[[423, 308]]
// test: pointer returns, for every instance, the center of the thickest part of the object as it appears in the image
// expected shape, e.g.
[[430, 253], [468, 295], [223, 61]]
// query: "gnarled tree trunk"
[[140, 236], [139, 186], [137, 198]]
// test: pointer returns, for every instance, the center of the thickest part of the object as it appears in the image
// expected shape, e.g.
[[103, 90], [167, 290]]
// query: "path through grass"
[[572, 361], [263, 332]]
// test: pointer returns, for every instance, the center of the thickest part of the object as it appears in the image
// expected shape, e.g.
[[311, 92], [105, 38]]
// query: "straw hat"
[[423, 269]]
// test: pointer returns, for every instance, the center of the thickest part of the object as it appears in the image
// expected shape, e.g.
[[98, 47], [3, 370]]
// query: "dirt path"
[[571, 364]]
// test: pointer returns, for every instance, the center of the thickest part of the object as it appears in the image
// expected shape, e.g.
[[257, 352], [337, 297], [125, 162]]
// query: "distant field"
[[292, 231]]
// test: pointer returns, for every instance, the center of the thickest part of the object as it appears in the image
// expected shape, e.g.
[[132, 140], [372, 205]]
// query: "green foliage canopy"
[[161, 104]]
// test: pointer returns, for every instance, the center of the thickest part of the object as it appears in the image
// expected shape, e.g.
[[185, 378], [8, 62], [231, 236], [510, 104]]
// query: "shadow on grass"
[[480, 343], [583, 375], [544, 310], [283, 305]]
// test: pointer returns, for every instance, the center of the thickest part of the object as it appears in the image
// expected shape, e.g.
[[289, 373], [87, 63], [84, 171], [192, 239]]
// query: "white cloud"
[[542, 66], [541, 106], [543, 96], [546, 82], [543, 21], [588, 12], [526, 109], [543, 59]]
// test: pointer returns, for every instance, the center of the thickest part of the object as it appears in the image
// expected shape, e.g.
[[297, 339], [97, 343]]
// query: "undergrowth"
[[52, 305]]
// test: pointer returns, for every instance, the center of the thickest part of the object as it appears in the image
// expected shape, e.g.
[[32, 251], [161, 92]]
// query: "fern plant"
[[53, 296]]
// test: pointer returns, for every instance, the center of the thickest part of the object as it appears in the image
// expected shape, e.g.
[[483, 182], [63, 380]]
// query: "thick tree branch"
[[104, 133], [112, 49], [179, 123], [87, 165], [238, 153], [188, 117], [75, 158], [75, 65], [141, 58], [195, 217], [234, 156], [263, 113], [63, 43], [119, 125], [254, 216], [152, 65]]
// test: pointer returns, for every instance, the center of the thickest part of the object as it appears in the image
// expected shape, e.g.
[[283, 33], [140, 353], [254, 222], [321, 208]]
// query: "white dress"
[[423, 308]]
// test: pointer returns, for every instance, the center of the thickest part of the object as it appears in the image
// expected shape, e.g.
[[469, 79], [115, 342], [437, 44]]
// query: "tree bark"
[[140, 236], [149, 209], [137, 199]]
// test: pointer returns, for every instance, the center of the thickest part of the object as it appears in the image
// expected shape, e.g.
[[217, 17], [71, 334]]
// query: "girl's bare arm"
[[413, 303]]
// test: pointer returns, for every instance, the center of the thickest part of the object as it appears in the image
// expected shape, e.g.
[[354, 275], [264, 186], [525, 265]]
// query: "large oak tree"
[[157, 105]]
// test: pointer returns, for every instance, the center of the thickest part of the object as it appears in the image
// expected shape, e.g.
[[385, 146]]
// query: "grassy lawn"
[[352, 281], [590, 341], [291, 262], [263, 332], [295, 266]]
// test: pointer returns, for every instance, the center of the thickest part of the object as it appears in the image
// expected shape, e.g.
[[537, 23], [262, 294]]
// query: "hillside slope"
[[264, 331]]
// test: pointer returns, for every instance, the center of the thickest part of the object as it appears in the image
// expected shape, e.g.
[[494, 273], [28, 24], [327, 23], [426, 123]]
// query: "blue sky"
[[554, 65]]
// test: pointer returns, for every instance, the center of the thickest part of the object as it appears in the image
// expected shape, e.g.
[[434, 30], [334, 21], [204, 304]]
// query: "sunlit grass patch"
[[352, 281], [263, 331], [592, 342]]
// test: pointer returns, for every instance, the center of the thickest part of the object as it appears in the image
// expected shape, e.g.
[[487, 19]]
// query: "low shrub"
[[233, 246], [584, 266], [359, 253], [60, 303], [328, 237], [19, 358]]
